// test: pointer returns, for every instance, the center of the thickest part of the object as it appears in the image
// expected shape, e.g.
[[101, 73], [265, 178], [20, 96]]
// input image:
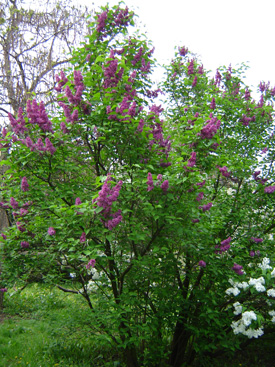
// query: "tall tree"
[[34, 43]]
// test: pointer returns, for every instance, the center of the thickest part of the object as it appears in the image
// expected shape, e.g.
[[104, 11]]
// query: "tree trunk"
[[180, 352]]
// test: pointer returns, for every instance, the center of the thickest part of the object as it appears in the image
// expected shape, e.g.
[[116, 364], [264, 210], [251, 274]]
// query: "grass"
[[44, 327]]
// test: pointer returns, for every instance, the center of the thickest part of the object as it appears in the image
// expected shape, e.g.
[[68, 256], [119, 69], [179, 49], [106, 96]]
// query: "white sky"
[[219, 31]]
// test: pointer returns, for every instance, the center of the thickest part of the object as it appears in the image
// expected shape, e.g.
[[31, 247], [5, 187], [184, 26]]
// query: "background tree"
[[35, 41], [162, 220]]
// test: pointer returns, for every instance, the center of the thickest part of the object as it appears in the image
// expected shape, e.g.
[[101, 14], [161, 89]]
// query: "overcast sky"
[[219, 31]]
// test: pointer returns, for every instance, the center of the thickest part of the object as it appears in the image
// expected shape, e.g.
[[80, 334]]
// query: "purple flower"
[[218, 78], [116, 219], [206, 207], [51, 231], [39, 145], [88, 57], [91, 264], [183, 51], [3, 290], [238, 269], [225, 245], [101, 21], [192, 160], [195, 220], [83, 237], [269, 189], [165, 185], [252, 253], [202, 264], [23, 212], [13, 203], [224, 171], [25, 244], [3, 236], [24, 184], [257, 240], [264, 150], [191, 67], [194, 83], [213, 104], [201, 183], [140, 125], [20, 227], [49, 147], [77, 201], [200, 70], [247, 94], [209, 130], [200, 196], [150, 182]]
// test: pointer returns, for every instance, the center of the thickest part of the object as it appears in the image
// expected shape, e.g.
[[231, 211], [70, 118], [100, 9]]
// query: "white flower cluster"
[[241, 326], [238, 308], [272, 313], [265, 264], [271, 292], [236, 286], [257, 283]]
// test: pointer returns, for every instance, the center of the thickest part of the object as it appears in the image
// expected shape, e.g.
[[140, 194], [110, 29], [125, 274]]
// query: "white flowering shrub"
[[251, 322]]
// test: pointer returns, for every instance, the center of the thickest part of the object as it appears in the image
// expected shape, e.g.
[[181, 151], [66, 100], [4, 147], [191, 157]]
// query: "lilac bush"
[[155, 210]]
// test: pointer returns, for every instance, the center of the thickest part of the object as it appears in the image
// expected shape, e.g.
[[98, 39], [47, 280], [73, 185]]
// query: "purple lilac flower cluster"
[[51, 231], [202, 264], [218, 78], [120, 17], [111, 74], [19, 125], [206, 207], [269, 189], [25, 244], [200, 184], [261, 180], [192, 160], [223, 171], [247, 95], [82, 238], [106, 197], [39, 146], [264, 86], [225, 245], [164, 145], [91, 264], [238, 269], [211, 128], [37, 115], [183, 51], [62, 80], [75, 100], [190, 69], [256, 240], [24, 184], [150, 184], [246, 119], [200, 196]]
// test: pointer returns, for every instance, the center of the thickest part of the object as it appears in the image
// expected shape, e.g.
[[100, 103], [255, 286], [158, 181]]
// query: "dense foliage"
[[162, 219]]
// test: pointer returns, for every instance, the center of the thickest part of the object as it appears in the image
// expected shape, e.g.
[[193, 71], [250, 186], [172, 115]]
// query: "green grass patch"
[[44, 327]]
